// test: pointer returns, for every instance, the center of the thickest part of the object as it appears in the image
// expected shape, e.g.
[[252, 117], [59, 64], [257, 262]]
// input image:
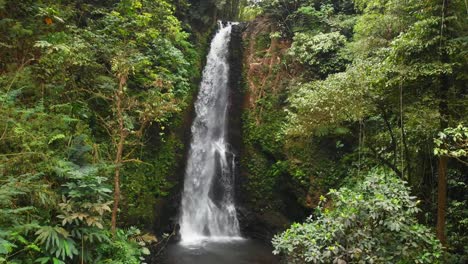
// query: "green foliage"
[[318, 106], [150, 181], [373, 222], [310, 15], [457, 214], [262, 146], [319, 51], [262, 181], [14, 217], [123, 248], [61, 66], [374, 85], [452, 142], [249, 13], [391, 91], [56, 242]]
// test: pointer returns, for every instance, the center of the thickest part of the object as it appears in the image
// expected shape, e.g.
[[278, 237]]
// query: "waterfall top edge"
[[223, 24]]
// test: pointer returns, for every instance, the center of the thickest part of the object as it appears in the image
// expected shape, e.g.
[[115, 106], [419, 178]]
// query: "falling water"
[[208, 211]]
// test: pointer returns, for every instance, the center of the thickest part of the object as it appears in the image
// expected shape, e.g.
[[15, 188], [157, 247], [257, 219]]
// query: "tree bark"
[[120, 145], [442, 164], [442, 200]]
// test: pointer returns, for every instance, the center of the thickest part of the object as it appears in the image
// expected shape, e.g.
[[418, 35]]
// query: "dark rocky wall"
[[236, 94]]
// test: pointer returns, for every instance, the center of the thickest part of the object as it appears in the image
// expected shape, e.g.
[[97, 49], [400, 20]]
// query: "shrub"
[[375, 222]]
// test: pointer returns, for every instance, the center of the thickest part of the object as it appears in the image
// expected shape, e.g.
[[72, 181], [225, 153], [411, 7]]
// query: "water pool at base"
[[245, 251]]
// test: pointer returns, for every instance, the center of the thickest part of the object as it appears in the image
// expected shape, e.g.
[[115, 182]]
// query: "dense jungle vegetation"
[[354, 126]]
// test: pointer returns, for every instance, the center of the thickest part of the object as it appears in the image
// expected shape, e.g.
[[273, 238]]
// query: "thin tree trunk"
[[442, 200], [404, 147], [392, 136], [444, 120], [442, 164], [118, 163], [120, 145], [406, 153]]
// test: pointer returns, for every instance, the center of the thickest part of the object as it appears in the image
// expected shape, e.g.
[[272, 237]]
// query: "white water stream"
[[208, 212]]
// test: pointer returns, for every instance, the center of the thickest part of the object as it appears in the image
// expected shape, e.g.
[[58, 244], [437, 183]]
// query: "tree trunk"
[[118, 163], [442, 166], [442, 200], [444, 121], [392, 136], [120, 145]]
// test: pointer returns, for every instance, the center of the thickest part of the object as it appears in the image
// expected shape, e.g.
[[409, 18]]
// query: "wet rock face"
[[236, 94], [236, 97]]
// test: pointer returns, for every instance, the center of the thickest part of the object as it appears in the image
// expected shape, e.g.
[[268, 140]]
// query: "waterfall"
[[208, 211]]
